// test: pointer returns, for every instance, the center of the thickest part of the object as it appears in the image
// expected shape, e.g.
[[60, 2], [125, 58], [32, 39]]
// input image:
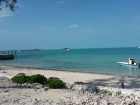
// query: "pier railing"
[[5, 55]]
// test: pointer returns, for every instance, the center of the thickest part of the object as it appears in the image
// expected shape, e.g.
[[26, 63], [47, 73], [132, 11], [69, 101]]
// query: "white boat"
[[66, 48], [138, 47], [131, 63]]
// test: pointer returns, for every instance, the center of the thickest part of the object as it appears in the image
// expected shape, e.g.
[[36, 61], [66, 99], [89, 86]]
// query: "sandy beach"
[[71, 77], [11, 94]]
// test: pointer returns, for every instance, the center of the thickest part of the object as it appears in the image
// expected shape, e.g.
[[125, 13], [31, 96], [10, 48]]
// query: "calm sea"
[[98, 60]]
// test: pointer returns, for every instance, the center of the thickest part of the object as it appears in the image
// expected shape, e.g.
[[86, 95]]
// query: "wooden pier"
[[6, 55]]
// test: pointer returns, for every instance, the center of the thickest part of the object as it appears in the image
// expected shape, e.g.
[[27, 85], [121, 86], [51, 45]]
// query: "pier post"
[[15, 55], [12, 52]]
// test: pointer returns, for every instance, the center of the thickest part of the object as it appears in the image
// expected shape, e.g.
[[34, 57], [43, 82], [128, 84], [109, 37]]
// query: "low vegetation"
[[37, 79], [20, 79], [54, 83], [106, 92], [119, 93]]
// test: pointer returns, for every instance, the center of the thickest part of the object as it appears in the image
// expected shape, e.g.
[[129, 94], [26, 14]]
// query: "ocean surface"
[[97, 60]]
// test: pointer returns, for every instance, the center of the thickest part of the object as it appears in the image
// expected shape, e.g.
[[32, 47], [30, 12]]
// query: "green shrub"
[[37, 79], [29, 79], [20, 79], [55, 84]]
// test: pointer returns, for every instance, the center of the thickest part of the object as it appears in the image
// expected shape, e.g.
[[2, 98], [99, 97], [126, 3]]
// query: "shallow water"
[[99, 60]]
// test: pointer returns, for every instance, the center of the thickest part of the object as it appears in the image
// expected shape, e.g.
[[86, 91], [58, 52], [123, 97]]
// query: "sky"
[[56, 24]]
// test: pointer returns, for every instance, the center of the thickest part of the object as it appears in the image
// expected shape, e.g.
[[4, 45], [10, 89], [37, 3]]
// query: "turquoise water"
[[98, 60]]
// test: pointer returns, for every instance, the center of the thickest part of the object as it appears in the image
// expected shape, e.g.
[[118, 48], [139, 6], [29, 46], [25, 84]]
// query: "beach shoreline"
[[12, 94], [130, 82], [36, 68]]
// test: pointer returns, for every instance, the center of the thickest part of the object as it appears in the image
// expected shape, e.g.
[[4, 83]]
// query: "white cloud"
[[4, 13], [73, 26], [61, 2]]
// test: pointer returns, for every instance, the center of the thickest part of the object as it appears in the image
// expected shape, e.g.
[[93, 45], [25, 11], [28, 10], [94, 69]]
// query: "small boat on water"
[[66, 48], [131, 63]]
